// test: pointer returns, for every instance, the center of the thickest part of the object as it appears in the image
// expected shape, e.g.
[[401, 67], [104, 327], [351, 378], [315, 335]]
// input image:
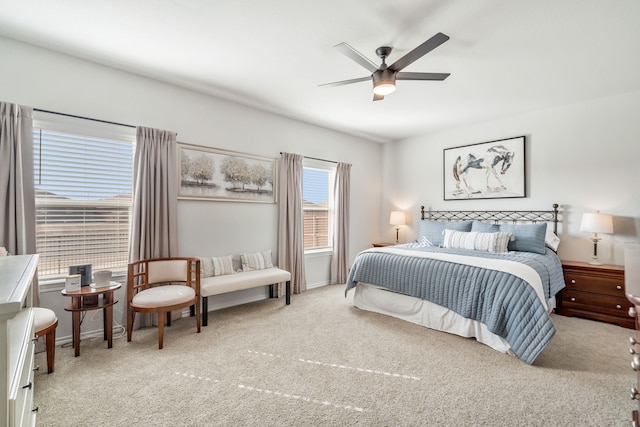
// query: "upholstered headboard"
[[515, 217]]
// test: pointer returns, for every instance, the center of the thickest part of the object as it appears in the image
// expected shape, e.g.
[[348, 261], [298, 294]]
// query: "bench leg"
[[205, 311], [288, 292], [192, 310], [271, 290]]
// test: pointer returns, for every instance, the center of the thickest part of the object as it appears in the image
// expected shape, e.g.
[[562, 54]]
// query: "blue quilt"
[[505, 303]]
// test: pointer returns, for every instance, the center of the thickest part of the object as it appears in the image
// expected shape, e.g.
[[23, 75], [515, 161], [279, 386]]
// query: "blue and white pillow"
[[473, 240]]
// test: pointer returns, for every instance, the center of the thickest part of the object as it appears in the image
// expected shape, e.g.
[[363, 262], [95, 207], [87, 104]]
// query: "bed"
[[490, 275]]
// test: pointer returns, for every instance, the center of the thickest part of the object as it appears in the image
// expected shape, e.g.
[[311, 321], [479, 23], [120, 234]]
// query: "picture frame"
[[486, 170], [221, 175]]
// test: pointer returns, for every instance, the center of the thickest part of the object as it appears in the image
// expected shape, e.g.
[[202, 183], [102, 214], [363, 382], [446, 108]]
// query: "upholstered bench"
[[216, 285]]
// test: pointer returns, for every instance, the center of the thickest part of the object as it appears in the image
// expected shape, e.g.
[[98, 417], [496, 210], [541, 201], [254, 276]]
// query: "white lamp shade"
[[397, 218], [597, 223]]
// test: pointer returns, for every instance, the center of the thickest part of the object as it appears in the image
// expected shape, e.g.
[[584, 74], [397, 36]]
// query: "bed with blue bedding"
[[498, 280]]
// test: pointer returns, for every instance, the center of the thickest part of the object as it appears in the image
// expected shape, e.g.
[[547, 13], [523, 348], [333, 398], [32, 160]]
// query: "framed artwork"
[[488, 170], [213, 174]]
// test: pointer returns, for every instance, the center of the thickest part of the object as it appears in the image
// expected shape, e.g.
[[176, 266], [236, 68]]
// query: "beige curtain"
[[290, 222], [340, 254], [17, 191], [155, 199]]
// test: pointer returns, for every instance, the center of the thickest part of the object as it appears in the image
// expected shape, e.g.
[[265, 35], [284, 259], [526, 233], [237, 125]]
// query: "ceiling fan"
[[384, 76]]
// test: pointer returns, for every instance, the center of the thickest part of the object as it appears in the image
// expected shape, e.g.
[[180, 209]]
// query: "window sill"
[[316, 253]]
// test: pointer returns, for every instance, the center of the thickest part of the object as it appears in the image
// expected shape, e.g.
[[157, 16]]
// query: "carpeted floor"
[[322, 362]]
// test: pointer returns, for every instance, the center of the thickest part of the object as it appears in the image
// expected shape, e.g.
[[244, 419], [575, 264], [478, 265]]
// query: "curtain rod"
[[81, 117], [315, 158]]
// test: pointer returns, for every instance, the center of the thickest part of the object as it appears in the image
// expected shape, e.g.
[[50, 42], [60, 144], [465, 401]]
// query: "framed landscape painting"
[[213, 174], [488, 170]]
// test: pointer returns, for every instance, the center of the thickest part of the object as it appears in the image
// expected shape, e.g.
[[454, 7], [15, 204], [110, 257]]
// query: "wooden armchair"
[[160, 285]]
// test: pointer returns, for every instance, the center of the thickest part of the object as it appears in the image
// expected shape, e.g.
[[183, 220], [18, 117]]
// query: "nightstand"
[[382, 245], [594, 292]]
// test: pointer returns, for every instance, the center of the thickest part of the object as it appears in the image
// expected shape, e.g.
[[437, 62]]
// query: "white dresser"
[[16, 340]]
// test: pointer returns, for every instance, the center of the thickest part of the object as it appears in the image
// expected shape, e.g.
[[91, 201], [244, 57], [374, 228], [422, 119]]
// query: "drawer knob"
[[618, 306], [632, 312], [635, 363], [573, 281], [633, 341], [632, 350], [573, 299], [619, 287], [635, 395], [28, 385]]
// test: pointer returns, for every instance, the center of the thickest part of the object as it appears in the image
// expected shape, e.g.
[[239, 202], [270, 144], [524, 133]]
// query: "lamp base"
[[595, 262]]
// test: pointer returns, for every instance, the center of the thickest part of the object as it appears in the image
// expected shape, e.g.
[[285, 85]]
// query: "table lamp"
[[596, 223], [397, 218]]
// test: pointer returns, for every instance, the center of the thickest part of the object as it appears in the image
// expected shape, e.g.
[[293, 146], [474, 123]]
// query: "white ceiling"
[[505, 56]]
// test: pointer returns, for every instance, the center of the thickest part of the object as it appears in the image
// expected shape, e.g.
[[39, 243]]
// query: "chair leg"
[[160, 329], [51, 349]]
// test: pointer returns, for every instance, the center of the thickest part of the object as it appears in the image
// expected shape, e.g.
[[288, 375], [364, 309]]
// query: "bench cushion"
[[243, 280]]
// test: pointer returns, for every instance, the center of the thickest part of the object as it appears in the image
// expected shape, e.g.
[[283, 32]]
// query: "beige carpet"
[[322, 362]]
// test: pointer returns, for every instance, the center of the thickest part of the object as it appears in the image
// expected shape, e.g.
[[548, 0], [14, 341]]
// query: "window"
[[317, 205], [83, 182]]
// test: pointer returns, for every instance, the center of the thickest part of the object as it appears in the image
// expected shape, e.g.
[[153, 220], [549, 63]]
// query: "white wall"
[[583, 156], [47, 80]]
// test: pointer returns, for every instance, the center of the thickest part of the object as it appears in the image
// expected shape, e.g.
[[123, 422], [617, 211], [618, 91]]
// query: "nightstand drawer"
[[605, 304], [598, 285]]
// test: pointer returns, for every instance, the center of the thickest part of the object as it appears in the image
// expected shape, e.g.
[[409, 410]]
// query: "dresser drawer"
[[605, 304], [595, 284]]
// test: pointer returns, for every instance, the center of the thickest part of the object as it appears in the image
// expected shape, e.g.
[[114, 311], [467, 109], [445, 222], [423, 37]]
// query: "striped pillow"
[[473, 240], [222, 265], [206, 267], [256, 261]]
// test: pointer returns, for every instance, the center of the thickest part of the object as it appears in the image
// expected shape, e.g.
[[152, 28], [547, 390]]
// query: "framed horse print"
[[487, 170]]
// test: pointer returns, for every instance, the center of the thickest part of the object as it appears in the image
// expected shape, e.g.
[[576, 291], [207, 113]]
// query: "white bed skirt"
[[415, 310]]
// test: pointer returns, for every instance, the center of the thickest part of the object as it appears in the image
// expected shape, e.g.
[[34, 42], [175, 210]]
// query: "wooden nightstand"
[[382, 245], [594, 292]]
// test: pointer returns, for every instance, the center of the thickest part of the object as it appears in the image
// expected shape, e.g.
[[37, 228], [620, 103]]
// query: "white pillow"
[[491, 242], [550, 238], [206, 267], [222, 265], [256, 260]]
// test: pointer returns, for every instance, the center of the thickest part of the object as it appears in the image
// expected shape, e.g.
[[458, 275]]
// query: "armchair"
[[160, 285]]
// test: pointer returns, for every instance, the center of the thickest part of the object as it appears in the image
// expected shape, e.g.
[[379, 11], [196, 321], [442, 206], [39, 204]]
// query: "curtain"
[[154, 222], [290, 222], [340, 254], [17, 191]]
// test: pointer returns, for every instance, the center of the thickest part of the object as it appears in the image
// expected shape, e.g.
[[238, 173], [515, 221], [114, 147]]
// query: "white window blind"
[[317, 194], [83, 181]]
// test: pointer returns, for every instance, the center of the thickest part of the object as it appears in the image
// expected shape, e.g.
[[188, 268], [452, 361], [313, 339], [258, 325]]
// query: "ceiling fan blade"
[[349, 51], [377, 97], [419, 51], [346, 82], [421, 76]]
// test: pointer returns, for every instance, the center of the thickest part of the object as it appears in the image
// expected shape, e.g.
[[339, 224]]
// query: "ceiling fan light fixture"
[[384, 88], [384, 82]]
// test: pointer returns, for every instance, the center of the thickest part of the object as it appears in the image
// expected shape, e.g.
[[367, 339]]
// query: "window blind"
[[83, 199], [317, 194]]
